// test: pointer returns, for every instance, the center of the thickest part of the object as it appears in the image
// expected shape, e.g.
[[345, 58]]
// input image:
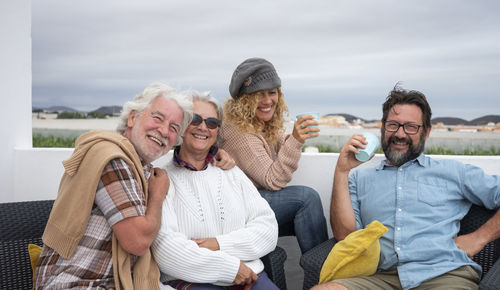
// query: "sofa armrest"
[[492, 279], [21, 223], [15, 266], [274, 265], [312, 262]]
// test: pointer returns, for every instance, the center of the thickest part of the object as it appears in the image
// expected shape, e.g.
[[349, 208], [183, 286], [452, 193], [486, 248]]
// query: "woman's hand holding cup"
[[306, 126]]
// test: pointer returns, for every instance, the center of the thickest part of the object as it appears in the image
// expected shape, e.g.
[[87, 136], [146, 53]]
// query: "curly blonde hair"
[[241, 112]]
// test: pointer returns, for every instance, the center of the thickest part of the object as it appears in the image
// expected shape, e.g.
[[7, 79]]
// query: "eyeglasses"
[[409, 128], [212, 123]]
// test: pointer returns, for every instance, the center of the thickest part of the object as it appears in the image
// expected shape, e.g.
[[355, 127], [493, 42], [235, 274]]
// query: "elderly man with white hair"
[[108, 208]]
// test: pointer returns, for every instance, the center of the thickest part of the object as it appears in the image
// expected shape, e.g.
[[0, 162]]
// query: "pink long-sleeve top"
[[268, 168]]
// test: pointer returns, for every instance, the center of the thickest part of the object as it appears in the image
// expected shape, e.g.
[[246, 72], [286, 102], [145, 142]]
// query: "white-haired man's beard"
[[145, 149], [397, 158]]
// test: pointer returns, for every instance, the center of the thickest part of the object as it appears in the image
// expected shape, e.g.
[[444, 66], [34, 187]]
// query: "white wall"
[[38, 171], [15, 84]]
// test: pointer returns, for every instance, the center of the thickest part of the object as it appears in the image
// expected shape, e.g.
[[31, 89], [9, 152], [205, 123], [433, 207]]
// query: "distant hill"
[[107, 110], [348, 118], [110, 110], [61, 109], [486, 119], [481, 121], [450, 121]]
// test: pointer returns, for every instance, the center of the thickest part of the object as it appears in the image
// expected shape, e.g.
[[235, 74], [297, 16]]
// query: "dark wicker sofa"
[[488, 258], [22, 223]]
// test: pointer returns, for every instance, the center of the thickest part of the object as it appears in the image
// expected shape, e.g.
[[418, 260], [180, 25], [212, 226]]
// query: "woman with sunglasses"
[[215, 225], [253, 135]]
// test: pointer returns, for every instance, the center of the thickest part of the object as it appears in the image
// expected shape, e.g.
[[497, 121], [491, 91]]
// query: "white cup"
[[370, 148]]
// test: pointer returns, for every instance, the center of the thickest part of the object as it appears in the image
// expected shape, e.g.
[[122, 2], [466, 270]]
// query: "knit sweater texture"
[[213, 203], [71, 211], [268, 168]]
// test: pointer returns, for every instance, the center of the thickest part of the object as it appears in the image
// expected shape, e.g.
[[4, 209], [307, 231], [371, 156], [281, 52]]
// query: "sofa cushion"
[[357, 255], [34, 252]]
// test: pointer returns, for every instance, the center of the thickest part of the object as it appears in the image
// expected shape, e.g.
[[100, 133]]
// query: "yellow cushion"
[[357, 255], [34, 252]]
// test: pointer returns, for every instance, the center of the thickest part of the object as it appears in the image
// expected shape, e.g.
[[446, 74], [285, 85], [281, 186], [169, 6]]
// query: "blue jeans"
[[299, 212]]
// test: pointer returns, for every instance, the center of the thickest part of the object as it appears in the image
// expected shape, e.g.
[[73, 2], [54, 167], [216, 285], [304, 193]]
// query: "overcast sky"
[[332, 56]]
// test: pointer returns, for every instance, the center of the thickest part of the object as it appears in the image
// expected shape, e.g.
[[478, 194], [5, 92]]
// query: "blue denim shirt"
[[421, 203]]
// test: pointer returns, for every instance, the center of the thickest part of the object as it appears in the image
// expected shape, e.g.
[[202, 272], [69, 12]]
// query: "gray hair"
[[143, 100], [207, 98]]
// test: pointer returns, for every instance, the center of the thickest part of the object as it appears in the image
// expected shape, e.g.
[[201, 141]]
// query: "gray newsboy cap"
[[253, 75]]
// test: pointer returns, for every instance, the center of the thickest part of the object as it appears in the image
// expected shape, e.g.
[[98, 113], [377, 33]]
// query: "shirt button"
[[399, 187], [400, 209], [400, 169], [398, 248], [398, 228]]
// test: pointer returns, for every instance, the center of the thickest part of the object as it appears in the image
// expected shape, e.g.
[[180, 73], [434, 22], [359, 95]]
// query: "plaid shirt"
[[118, 196], [181, 163]]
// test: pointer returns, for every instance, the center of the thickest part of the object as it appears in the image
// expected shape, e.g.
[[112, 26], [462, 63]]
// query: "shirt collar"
[[147, 168], [424, 162], [178, 162], [421, 160]]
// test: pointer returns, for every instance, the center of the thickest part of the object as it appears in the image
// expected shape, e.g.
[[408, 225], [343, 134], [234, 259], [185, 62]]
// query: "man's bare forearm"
[[341, 212]]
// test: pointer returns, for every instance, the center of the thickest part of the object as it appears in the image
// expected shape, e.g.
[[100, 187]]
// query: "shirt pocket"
[[432, 191]]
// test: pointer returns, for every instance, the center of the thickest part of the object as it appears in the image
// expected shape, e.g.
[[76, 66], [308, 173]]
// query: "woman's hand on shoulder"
[[302, 129], [223, 160]]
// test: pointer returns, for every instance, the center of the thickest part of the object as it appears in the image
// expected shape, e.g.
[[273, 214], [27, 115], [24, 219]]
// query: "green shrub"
[[71, 115], [52, 141], [322, 148], [96, 115], [439, 151], [325, 148], [445, 151]]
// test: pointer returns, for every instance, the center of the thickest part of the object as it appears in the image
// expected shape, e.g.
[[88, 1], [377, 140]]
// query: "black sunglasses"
[[212, 123]]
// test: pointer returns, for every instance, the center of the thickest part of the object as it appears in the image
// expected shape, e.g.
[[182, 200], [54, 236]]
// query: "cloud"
[[331, 55]]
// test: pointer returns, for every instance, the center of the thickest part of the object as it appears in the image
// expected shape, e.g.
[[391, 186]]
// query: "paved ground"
[[293, 271]]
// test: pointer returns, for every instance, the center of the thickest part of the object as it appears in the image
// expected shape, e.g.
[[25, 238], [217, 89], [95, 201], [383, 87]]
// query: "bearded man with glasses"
[[399, 157], [420, 200]]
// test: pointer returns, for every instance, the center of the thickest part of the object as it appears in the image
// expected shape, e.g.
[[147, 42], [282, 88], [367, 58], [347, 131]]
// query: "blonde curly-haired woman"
[[253, 133]]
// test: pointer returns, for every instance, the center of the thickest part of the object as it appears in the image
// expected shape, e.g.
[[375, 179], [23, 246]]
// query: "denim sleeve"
[[480, 188], [353, 178]]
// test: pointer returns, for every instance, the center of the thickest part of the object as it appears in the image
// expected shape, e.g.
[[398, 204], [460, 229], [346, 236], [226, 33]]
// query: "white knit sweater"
[[213, 203]]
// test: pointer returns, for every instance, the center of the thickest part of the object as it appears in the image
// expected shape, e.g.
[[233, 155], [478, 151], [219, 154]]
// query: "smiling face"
[[199, 139], [267, 104], [154, 131], [399, 147]]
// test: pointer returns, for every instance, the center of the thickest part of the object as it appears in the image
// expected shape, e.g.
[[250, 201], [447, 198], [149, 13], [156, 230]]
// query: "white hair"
[[206, 97], [143, 100]]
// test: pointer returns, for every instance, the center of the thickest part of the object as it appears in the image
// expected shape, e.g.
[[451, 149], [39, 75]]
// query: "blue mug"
[[370, 148]]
